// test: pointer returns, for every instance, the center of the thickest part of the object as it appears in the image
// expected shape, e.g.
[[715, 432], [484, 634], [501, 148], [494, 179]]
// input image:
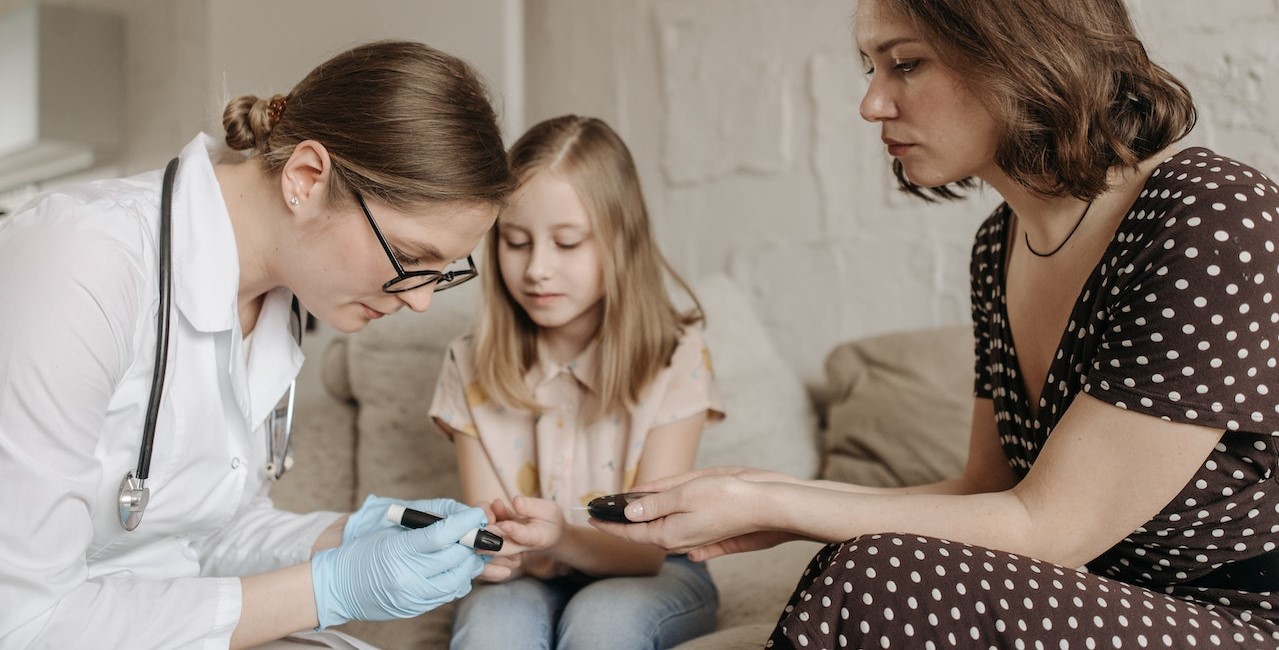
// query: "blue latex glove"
[[371, 516], [396, 572]]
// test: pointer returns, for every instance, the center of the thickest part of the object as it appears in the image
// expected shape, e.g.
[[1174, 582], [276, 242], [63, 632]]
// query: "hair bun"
[[249, 119]]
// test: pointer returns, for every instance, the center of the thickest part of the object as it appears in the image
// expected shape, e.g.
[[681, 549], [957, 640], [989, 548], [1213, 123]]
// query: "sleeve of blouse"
[[692, 388], [1193, 333], [449, 404], [71, 303]]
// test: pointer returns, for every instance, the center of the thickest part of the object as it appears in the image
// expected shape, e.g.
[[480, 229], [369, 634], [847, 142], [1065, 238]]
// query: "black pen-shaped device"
[[477, 538]]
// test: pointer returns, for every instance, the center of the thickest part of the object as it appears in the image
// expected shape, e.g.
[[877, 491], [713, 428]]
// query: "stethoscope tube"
[[162, 321], [134, 494], [133, 491]]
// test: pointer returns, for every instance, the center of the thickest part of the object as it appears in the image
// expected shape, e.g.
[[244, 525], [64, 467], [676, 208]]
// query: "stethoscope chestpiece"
[[134, 495]]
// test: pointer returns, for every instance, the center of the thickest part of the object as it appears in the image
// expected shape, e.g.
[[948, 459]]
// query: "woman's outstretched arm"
[[1104, 472]]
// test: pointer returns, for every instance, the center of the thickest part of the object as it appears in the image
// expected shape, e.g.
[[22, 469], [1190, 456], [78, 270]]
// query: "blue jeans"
[[677, 604]]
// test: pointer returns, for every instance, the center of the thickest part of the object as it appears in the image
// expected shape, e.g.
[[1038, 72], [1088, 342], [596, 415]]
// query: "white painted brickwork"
[[742, 115]]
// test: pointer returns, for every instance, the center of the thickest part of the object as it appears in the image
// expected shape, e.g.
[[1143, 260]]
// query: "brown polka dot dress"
[[1180, 321]]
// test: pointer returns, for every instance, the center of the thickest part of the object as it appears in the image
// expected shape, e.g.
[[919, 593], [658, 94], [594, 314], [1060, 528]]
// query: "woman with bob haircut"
[[1120, 489]]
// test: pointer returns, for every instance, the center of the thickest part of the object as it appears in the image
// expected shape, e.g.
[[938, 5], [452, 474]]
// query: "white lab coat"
[[78, 303]]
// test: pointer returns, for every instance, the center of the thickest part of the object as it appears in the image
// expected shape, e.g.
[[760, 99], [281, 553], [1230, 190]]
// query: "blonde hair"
[[403, 123], [641, 327]]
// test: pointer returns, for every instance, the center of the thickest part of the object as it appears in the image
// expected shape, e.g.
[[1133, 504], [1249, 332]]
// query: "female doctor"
[[361, 188]]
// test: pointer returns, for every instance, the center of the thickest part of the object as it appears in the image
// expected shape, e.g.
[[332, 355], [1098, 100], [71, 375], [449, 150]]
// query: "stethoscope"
[[134, 494]]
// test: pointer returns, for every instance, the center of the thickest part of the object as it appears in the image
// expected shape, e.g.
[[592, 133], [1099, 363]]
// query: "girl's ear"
[[306, 174]]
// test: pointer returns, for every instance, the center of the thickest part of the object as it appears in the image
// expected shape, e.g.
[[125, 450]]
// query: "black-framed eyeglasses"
[[410, 280]]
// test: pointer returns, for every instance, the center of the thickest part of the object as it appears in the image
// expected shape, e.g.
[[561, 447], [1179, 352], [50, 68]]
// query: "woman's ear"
[[306, 174]]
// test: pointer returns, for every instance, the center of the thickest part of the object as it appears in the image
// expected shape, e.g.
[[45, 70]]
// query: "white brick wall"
[[742, 115]]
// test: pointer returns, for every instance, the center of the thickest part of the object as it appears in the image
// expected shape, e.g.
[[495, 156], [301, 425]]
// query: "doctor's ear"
[[306, 174]]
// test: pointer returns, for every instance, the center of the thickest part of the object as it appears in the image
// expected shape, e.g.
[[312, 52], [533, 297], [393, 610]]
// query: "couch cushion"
[[323, 474], [901, 407], [770, 421], [393, 363], [754, 587], [741, 637]]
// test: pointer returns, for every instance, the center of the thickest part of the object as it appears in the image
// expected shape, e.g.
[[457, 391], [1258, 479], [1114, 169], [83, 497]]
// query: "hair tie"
[[275, 109]]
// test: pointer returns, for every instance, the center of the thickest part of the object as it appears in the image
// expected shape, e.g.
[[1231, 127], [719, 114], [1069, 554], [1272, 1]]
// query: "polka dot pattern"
[[906, 591], [1179, 321]]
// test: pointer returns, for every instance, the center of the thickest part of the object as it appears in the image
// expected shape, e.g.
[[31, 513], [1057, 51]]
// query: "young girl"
[[582, 379]]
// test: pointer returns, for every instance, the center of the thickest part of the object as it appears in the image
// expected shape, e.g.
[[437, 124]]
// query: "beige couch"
[[895, 411]]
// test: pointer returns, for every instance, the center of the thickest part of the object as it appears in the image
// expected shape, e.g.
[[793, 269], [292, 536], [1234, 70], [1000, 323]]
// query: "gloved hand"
[[372, 514], [397, 572]]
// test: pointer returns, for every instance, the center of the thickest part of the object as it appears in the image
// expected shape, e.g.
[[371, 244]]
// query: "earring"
[[294, 201]]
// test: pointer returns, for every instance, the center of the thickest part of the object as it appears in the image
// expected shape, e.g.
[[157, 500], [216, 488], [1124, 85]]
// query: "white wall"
[[185, 58], [264, 47], [742, 115]]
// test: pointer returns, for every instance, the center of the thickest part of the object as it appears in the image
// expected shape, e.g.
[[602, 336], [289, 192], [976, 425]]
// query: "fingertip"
[[635, 511], [514, 532], [501, 509]]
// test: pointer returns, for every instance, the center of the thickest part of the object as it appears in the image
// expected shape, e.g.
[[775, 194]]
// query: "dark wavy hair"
[[1068, 81]]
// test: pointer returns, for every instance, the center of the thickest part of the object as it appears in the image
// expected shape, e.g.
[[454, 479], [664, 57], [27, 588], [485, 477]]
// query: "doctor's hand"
[[396, 573], [371, 516]]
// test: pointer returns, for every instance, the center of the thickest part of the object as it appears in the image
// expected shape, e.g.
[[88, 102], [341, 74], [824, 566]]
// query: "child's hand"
[[503, 568], [489, 514], [528, 523]]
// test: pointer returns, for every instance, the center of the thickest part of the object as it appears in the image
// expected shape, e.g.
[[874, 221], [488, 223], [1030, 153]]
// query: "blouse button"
[[235, 463]]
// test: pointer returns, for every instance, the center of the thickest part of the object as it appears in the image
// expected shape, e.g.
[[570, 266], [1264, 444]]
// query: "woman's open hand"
[[705, 514]]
